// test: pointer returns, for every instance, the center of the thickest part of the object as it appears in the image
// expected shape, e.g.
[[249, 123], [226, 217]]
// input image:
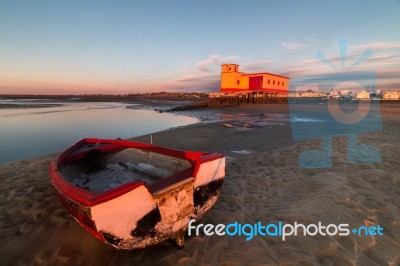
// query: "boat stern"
[[208, 183]]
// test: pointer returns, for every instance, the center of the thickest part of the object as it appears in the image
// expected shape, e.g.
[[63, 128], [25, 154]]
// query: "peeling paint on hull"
[[138, 215]]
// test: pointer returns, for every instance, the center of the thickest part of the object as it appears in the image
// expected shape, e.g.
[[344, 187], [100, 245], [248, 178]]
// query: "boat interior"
[[99, 172]]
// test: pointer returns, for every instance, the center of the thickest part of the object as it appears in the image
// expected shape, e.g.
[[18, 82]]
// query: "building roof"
[[262, 73]]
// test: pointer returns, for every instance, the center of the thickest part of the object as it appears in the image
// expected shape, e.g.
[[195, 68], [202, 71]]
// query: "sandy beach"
[[263, 183]]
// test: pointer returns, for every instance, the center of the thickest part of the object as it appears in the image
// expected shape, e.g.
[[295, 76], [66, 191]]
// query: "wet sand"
[[263, 183]]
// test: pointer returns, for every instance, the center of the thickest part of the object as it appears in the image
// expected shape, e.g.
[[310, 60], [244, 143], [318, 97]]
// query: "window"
[[238, 82], [279, 83], [273, 83], [230, 68], [268, 81], [283, 84]]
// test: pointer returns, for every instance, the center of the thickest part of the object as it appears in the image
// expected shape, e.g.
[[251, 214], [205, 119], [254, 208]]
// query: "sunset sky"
[[60, 47]]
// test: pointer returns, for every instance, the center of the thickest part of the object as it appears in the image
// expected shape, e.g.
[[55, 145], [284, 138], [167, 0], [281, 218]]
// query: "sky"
[[114, 47]]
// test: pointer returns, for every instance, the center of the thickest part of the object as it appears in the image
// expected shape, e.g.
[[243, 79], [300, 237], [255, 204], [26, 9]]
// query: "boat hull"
[[136, 214]]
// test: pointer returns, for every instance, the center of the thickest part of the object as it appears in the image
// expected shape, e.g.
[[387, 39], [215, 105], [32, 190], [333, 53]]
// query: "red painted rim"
[[86, 198]]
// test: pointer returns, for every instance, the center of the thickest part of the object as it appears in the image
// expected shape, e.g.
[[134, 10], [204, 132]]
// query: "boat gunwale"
[[87, 198]]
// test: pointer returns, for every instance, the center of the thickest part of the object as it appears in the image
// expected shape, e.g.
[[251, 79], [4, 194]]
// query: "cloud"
[[378, 46], [196, 82], [199, 77], [231, 57], [359, 57], [293, 46], [389, 74], [385, 77], [209, 68], [300, 70], [257, 65], [382, 57], [205, 74], [384, 61], [208, 64], [214, 61]]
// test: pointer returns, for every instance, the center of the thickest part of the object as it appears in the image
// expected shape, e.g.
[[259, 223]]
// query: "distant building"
[[234, 81], [308, 94], [362, 95], [333, 94], [391, 95], [345, 93], [214, 94]]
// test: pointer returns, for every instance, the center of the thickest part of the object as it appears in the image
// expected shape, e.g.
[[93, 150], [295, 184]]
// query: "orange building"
[[234, 81]]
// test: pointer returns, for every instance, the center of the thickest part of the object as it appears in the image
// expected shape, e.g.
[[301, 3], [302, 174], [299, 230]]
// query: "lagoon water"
[[31, 128]]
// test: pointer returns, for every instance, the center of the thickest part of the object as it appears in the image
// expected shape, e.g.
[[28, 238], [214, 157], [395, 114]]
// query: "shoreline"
[[206, 115], [203, 115], [265, 185]]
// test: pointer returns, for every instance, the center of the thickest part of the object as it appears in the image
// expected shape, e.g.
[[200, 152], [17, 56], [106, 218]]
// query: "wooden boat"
[[133, 195]]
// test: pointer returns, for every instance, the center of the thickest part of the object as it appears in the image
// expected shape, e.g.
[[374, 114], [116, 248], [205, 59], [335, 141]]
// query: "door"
[[255, 83]]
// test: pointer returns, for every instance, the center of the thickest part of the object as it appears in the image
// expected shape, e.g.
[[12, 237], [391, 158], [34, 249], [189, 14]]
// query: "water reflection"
[[39, 130]]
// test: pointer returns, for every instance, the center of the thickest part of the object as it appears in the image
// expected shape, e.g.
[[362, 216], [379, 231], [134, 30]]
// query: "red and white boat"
[[133, 195]]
